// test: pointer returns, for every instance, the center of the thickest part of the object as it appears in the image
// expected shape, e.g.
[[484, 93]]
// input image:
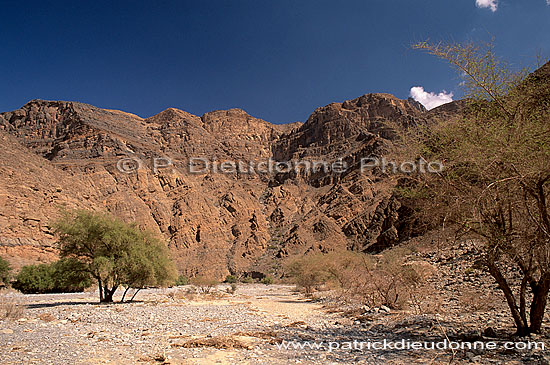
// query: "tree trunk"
[[522, 304], [100, 286], [124, 294], [133, 296], [521, 326], [538, 306], [108, 294]]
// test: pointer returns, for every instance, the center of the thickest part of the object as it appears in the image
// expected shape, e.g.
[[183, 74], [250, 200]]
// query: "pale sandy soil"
[[244, 328]]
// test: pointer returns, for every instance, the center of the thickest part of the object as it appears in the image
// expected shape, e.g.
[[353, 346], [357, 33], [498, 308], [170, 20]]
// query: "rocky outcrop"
[[33, 191], [67, 154]]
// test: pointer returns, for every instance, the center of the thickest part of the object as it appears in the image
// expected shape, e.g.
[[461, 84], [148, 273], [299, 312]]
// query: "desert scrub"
[[10, 308], [247, 280], [232, 289], [373, 280], [230, 279], [182, 280], [268, 280], [204, 284]]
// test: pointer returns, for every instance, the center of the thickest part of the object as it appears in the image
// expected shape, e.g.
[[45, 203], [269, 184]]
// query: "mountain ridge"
[[217, 224]]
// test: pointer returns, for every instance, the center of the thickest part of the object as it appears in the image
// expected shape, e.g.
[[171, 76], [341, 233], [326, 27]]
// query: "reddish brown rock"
[[66, 154]]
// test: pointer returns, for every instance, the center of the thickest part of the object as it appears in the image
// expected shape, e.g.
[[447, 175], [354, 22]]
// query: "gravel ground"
[[249, 327], [74, 328]]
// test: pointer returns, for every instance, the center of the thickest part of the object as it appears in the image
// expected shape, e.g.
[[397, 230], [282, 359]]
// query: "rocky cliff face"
[[68, 154]]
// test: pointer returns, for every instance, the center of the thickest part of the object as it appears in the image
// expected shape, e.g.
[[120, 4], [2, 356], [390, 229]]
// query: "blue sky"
[[278, 60]]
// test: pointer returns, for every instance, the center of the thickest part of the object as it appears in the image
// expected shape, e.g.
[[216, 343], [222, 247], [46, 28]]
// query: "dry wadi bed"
[[170, 326]]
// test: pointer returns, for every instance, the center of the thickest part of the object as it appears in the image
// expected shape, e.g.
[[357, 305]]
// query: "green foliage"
[[34, 279], [230, 279], [247, 280], [114, 253], [70, 275], [63, 276], [182, 280], [5, 271], [268, 280]]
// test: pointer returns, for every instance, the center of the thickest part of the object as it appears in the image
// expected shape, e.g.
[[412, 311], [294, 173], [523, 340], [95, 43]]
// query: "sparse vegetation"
[[182, 280], [231, 279], [232, 289], [204, 284], [268, 280], [365, 279], [10, 309], [5, 272], [114, 253], [308, 273], [496, 181]]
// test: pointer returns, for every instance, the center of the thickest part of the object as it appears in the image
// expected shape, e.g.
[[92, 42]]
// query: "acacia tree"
[[114, 253], [147, 263], [5, 270], [497, 176]]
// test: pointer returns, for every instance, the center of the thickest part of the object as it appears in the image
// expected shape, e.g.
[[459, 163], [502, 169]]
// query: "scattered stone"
[[489, 332]]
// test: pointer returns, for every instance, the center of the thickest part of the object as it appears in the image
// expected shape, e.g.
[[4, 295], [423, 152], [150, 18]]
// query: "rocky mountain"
[[64, 155]]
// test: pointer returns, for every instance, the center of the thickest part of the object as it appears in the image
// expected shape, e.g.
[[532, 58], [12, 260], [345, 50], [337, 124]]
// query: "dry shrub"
[[218, 342], [272, 337], [204, 284], [46, 317], [474, 301], [232, 289], [10, 309], [378, 280], [372, 280], [189, 294], [308, 272]]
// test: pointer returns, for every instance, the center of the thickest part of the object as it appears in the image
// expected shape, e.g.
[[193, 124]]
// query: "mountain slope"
[[216, 223]]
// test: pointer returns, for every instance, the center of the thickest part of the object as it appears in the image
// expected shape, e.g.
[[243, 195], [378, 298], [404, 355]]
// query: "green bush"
[[247, 280], [230, 279], [63, 276], [34, 279], [309, 272], [268, 280], [182, 280], [5, 270]]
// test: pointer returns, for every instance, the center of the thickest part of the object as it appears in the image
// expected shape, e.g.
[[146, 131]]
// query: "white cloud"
[[491, 4], [430, 100], [547, 2]]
